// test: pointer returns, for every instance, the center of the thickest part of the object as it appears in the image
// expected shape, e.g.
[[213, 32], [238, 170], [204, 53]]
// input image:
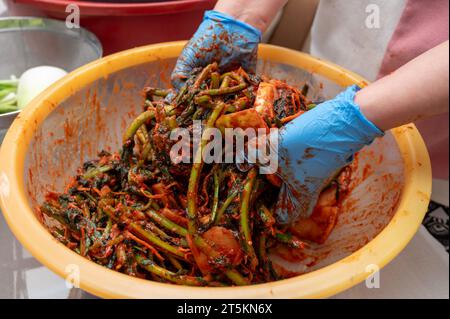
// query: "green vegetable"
[[15, 94], [8, 96], [35, 80]]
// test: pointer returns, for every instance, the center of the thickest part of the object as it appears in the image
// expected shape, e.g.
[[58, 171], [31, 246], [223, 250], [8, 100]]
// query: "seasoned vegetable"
[[196, 224]]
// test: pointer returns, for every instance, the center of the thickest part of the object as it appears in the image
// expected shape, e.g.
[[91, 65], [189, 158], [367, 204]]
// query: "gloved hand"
[[314, 147], [220, 38]]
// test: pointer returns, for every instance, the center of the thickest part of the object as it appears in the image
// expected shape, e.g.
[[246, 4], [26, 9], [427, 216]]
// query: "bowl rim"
[[31, 23], [13, 114], [103, 282]]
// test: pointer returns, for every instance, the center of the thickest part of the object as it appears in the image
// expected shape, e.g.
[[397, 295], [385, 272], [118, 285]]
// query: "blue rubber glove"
[[220, 38], [314, 147]]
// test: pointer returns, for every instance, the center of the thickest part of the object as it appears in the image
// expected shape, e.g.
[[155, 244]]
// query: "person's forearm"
[[258, 13], [418, 90]]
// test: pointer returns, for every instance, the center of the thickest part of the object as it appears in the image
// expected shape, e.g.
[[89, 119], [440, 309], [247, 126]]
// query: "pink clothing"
[[423, 25]]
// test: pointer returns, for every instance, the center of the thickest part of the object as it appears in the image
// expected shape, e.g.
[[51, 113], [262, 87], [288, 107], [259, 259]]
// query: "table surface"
[[420, 271]]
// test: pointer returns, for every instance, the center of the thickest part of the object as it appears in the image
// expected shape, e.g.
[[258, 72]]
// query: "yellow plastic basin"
[[86, 112]]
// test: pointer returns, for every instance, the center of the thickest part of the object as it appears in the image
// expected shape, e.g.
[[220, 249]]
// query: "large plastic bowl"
[[88, 110], [122, 26]]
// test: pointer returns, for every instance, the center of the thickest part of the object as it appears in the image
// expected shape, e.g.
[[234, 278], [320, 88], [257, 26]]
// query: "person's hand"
[[220, 38], [314, 147]]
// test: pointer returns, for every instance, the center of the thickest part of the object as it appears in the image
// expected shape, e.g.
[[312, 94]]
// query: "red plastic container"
[[121, 26]]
